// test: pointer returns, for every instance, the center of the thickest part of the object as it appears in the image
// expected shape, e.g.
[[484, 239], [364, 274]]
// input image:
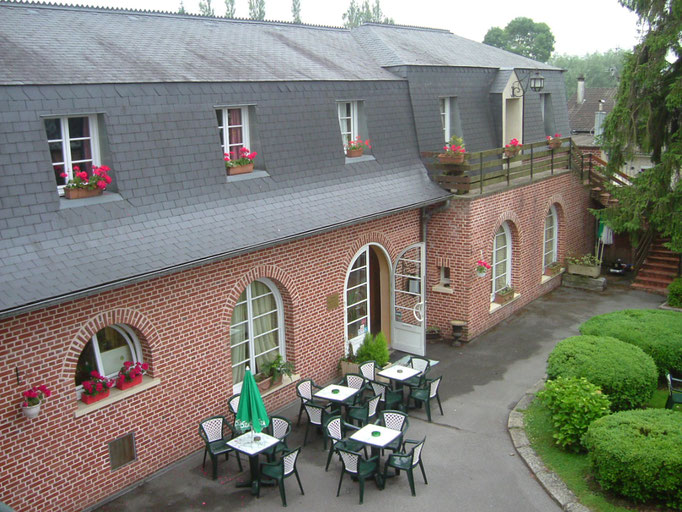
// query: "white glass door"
[[408, 301]]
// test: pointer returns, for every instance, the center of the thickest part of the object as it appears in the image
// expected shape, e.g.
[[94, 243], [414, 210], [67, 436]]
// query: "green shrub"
[[623, 372], [657, 332], [373, 348], [638, 454], [675, 293], [574, 404]]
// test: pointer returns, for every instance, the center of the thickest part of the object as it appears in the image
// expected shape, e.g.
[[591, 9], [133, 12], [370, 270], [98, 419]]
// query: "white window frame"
[[129, 337], [65, 141], [445, 116], [347, 110], [224, 129], [251, 361], [445, 281], [357, 339], [503, 230], [551, 234]]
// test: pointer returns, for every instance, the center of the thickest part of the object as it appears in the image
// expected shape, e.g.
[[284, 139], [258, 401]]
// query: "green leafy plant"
[[637, 454], [675, 293], [278, 367], [657, 332], [433, 329], [373, 348], [623, 372], [587, 260], [506, 290], [574, 403]]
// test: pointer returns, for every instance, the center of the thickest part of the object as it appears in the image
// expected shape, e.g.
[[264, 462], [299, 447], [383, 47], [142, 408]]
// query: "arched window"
[[106, 352], [502, 251], [256, 330], [551, 237], [357, 298]]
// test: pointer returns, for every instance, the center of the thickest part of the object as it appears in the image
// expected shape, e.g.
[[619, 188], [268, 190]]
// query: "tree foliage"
[[229, 9], [205, 8], [181, 9], [296, 10], [599, 69], [356, 14], [648, 117], [257, 9], [524, 37]]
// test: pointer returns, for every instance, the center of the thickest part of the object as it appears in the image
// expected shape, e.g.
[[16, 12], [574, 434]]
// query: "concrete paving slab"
[[471, 464]]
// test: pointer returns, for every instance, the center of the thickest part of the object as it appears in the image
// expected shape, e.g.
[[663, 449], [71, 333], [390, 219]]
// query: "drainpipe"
[[425, 218]]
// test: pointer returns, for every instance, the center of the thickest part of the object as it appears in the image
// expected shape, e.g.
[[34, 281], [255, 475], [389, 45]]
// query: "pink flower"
[[144, 366], [98, 387], [251, 156], [76, 168], [102, 184], [107, 178], [83, 175], [87, 385], [63, 175], [127, 364]]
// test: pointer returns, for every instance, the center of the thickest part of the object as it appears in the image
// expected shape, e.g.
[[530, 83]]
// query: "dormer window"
[[348, 120], [73, 142], [233, 127]]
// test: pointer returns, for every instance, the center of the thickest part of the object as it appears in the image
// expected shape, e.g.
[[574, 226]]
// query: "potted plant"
[[130, 374], [263, 381], [482, 268], [504, 295], [553, 268], [356, 147], [512, 149], [84, 185], [33, 397], [373, 348], [554, 142], [239, 162], [454, 152], [348, 363], [586, 265], [276, 368], [433, 333], [95, 388]]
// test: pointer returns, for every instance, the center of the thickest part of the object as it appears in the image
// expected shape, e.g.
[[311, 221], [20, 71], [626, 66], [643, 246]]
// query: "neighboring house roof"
[[581, 116], [412, 46]]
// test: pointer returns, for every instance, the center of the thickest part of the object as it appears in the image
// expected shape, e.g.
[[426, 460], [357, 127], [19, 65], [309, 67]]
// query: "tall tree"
[[182, 10], [296, 10], [257, 9], [648, 116], [205, 8], [356, 14], [229, 8], [599, 69], [523, 36]]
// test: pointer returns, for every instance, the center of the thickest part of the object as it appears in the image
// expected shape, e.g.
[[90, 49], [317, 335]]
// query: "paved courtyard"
[[470, 462]]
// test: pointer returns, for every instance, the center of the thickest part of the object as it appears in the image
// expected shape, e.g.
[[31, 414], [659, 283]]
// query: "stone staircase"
[[659, 269]]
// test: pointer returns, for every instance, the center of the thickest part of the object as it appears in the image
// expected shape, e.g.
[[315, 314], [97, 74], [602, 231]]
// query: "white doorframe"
[[408, 322]]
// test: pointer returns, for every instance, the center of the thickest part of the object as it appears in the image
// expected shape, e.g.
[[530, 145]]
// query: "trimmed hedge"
[[675, 293], [638, 454], [657, 332], [624, 372]]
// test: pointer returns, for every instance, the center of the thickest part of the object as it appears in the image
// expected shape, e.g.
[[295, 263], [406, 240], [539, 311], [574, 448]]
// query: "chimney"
[[599, 118], [580, 95]]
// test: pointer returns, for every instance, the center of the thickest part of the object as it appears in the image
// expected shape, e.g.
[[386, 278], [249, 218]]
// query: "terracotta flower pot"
[[123, 384], [511, 152], [503, 298], [264, 385], [457, 159], [554, 143], [354, 153], [240, 169], [91, 399], [80, 193]]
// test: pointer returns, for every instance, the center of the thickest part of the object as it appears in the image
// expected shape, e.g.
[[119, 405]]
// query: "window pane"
[[113, 350], [265, 358], [357, 328], [265, 323], [500, 282], [234, 116], [122, 451], [258, 289], [86, 363], [264, 305], [357, 277], [240, 354], [239, 313], [357, 312], [356, 295], [53, 128], [58, 170], [235, 136], [80, 150], [219, 115], [56, 152], [238, 334], [79, 127], [360, 261]]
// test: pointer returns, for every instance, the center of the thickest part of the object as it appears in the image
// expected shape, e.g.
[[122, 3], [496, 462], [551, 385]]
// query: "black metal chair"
[[212, 431]]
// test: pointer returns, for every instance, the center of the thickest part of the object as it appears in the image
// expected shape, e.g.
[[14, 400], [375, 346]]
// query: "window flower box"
[[240, 169], [584, 270], [553, 269], [354, 153], [457, 159], [91, 399], [239, 162], [80, 193], [554, 142], [356, 147], [504, 295], [122, 384]]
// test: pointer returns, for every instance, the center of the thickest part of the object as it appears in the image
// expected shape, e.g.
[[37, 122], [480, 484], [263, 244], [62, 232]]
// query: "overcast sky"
[[579, 26]]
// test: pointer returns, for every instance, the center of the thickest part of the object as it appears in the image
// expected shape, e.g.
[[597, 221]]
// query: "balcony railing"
[[487, 171]]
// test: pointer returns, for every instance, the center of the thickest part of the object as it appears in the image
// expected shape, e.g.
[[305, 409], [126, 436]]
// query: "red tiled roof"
[[581, 117]]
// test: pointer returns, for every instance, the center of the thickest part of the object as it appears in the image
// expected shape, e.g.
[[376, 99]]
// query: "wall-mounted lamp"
[[535, 81]]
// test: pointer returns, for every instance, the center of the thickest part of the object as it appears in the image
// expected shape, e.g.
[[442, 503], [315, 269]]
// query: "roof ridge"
[[409, 27], [147, 12]]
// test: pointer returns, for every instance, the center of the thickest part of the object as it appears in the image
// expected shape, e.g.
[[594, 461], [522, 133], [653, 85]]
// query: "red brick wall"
[[459, 237], [60, 462]]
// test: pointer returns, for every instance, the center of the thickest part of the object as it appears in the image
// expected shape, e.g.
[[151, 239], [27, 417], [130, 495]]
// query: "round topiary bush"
[[657, 332], [638, 454], [624, 372]]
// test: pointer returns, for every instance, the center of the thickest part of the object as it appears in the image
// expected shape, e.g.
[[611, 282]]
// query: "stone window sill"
[[358, 159], [545, 278], [285, 382], [106, 197], [116, 395], [442, 289], [494, 306], [250, 176]]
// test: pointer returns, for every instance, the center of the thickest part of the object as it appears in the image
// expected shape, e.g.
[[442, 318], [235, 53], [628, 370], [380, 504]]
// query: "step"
[[652, 282], [648, 271], [645, 288], [665, 260]]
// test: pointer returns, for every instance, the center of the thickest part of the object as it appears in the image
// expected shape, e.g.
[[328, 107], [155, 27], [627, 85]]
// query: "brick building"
[[200, 274]]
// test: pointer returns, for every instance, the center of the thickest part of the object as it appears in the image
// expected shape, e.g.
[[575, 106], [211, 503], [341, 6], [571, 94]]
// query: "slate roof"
[[135, 47], [413, 46], [581, 116]]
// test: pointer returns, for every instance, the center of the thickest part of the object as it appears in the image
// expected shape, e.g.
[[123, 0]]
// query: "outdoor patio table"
[[403, 361], [377, 437], [398, 373], [247, 444], [336, 393]]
